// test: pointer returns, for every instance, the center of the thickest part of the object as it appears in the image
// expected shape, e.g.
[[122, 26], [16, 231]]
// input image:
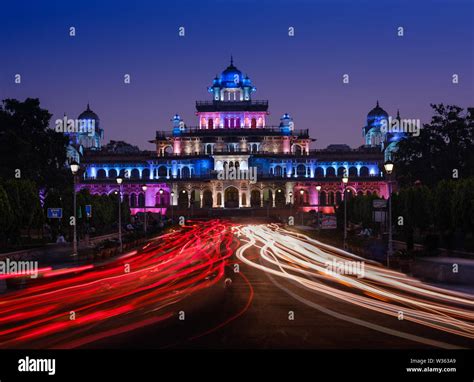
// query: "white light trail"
[[304, 260]]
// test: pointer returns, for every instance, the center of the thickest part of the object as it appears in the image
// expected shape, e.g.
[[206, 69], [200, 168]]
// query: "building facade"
[[208, 166]]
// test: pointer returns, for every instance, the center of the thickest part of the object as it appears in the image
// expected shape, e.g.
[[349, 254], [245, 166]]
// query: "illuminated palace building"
[[194, 166]]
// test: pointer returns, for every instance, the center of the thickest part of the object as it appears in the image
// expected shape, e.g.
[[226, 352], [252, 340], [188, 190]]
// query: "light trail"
[[304, 260], [136, 289]]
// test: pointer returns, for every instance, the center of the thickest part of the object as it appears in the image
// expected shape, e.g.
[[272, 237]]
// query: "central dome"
[[231, 76]]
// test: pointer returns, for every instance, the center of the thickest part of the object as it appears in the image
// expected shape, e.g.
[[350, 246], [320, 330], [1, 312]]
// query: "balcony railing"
[[240, 131], [253, 105], [213, 175]]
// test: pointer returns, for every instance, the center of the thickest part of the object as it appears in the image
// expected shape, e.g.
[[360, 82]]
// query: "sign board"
[[379, 216], [379, 203], [88, 210], [329, 222], [55, 213]]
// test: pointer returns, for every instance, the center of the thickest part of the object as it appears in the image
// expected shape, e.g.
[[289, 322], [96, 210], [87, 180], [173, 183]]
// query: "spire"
[[231, 60], [398, 113], [377, 104], [88, 107]]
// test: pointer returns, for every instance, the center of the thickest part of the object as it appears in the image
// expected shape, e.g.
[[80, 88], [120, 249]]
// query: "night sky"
[[301, 75]]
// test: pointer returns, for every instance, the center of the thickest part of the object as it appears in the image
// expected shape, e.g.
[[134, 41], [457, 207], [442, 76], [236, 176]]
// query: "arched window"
[[352, 172], [207, 199], [301, 170], [322, 198], [319, 172], [255, 198], [141, 200], [253, 123], [146, 173], [162, 172], [338, 197], [278, 171], [133, 200], [364, 171], [101, 174], [112, 173], [210, 123], [330, 172], [185, 173], [330, 198], [135, 174], [341, 171]]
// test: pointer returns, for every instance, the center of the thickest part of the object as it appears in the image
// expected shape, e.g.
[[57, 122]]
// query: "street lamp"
[[345, 180], [161, 201], [290, 194], [389, 169], [318, 188], [119, 182], [74, 169], [144, 188], [172, 207], [302, 202]]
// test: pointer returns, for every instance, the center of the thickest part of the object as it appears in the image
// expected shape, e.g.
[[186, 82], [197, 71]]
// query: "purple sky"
[[301, 75]]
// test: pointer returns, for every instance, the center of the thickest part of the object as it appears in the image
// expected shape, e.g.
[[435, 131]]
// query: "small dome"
[[377, 111], [88, 114]]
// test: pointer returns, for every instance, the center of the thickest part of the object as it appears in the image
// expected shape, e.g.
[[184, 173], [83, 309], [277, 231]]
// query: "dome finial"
[[231, 60], [377, 104], [398, 113], [88, 107]]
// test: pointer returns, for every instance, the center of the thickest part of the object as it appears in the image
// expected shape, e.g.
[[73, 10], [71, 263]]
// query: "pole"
[[74, 251], [120, 218], [345, 218], [390, 243], [144, 209]]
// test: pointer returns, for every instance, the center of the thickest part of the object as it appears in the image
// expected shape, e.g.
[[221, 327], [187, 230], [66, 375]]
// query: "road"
[[283, 295]]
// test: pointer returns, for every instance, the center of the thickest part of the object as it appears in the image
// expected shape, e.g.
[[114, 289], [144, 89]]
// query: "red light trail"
[[137, 289]]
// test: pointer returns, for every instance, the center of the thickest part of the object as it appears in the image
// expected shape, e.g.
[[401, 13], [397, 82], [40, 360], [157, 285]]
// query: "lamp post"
[[119, 182], [345, 180], [161, 207], [318, 188], [74, 169], [389, 169], [144, 188], [290, 194], [302, 193], [172, 207]]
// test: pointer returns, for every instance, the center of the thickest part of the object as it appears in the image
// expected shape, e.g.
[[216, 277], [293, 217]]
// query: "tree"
[[30, 146], [6, 215], [444, 149], [24, 199]]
